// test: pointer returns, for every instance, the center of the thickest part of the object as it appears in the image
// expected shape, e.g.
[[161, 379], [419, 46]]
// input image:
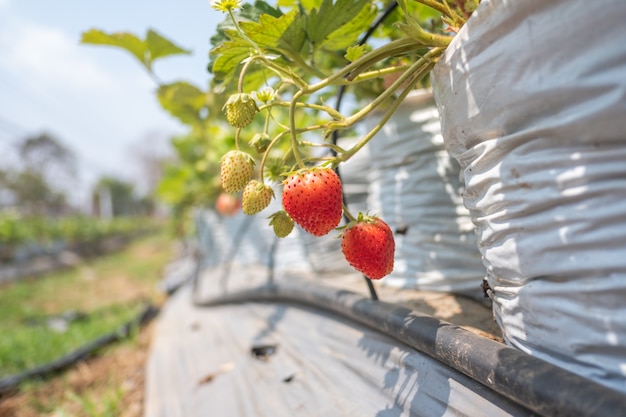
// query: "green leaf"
[[285, 33], [172, 187], [229, 57], [355, 52], [183, 101], [124, 40], [349, 33], [330, 17], [160, 47]]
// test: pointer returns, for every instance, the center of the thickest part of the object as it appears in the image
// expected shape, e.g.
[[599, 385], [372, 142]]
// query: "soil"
[[118, 372]]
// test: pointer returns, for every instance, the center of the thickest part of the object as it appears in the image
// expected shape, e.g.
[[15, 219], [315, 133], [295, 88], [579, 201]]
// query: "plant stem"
[[242, 75], [443, 8], [281, 71], [390, 111], [242, 34], [292, 128], [237, 133], [390, 49], [421, 66], [327, 109], [347, 213], [337, 149], [267, 152]]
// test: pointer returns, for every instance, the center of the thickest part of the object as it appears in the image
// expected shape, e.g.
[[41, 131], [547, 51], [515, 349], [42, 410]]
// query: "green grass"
[[26, 345], [111, 290]]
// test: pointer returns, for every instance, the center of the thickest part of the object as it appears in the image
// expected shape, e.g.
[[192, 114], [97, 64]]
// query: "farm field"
[[94, 298]]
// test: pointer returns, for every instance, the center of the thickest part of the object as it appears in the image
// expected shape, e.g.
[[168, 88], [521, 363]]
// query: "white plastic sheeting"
[[415, 187], [533, 102], [202, 360]]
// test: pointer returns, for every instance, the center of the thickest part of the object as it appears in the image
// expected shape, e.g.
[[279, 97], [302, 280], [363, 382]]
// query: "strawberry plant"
[[291, 60], [266, 123]]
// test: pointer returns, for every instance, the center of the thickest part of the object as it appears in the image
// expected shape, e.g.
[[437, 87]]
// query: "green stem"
[[241, 76], [347, 213], [292, 128], [390, 49], [443, 8], [281, 71], [237, 133], [297, 59], [242, 34], [266, 128], [327, 109], [423, 64], [336, 148], [379, 73], [458, 19], [267, 152], [390, 111]]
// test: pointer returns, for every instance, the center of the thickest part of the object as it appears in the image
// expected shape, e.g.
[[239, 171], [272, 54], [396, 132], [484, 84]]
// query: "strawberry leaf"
[[160, 47], [229, 57], [355, 52], [280, 34], [335, 23], [182, 100], [124, 40]]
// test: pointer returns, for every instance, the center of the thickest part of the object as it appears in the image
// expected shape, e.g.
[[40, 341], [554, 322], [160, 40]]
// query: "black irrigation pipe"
[[540, 387], [83, 352]]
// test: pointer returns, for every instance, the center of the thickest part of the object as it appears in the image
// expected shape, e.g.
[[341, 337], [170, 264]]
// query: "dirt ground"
[[114, 377]]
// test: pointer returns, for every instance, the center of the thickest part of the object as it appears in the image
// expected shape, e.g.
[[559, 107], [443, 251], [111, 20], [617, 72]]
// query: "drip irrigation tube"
[[83, 352], [526, 380]]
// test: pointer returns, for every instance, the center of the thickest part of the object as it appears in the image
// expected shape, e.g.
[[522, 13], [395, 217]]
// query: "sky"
[[98, 101]]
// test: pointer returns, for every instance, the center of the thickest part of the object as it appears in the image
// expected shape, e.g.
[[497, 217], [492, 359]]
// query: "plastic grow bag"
[[532, 96], [415, 187]]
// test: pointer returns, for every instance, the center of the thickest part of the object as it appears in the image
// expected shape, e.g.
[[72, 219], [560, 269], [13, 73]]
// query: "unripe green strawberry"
[[282, 223], [260, 142], [240, 109], [235, 170], [368, 245], [256, 197], [313, 199]]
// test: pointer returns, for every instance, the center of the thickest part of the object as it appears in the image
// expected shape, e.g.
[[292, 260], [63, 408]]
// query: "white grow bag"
[[415, 187], [532, 96]]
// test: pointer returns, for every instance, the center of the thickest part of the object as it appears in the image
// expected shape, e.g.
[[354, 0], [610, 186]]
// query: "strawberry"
[[282, 223], [313, 199], [368, 245], [256, 196], [227, 204], [240, 109], [235, 170]]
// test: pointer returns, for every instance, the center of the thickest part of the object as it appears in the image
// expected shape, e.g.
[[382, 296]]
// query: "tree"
[[113, 197], [47, 156], [35, 184]]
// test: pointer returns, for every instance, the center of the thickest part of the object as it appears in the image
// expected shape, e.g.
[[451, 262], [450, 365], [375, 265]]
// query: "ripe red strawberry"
[[227, 204], [235, 170], [256, 197], [368, 245], [313, 199]]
